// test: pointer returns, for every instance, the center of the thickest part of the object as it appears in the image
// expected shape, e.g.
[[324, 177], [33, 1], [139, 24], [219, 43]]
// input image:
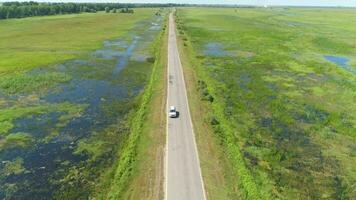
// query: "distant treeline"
[[29, 9]]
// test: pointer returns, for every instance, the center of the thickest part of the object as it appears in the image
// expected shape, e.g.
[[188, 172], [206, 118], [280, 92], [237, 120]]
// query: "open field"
[[277, 87], [40, 41], [73, 89]]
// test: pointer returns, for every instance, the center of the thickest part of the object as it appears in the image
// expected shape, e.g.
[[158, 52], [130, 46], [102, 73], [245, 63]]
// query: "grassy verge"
[[147, 178], [210, 136], [146, 140]]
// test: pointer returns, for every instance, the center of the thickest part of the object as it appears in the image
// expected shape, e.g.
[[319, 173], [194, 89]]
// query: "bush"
[[127, 10], [208, 98], [150, 59], [205, 95], [214, 121]]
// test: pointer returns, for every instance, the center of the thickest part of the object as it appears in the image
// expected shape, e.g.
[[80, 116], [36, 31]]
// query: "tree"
[[28, 9], [127, 10], [86, 9]]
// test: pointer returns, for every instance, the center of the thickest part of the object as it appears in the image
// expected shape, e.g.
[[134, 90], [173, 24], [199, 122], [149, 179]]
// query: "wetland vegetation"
[[276, 86], [279, 86], [71, 98]]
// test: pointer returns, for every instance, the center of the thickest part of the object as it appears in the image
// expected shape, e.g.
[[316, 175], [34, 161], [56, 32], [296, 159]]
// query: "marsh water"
[[342, 62], [101, 83], [214, 49]]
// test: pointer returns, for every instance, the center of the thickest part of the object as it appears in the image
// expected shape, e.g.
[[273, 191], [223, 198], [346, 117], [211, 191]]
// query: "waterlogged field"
[[69, 86], [281, 88]]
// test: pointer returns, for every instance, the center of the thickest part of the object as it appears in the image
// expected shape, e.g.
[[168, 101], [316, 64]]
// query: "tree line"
[[29, 9]]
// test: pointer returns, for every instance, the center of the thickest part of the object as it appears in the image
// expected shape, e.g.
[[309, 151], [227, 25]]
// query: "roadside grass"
[[216, 169], [148, 173], [41, 41], [283, 115], [138, 173]]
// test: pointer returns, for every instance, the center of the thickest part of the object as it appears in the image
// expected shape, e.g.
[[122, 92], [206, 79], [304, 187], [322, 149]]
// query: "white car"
[[172, 112]]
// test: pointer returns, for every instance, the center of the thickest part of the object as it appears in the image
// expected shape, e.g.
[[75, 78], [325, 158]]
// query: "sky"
[[345, 3]]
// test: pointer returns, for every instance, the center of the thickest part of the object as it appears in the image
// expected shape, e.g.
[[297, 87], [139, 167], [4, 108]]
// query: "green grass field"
[[284, 114], [40, 41], [71, 89]]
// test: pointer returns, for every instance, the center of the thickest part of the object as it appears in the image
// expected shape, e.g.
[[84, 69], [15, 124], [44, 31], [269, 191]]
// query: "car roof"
[[172, 107]]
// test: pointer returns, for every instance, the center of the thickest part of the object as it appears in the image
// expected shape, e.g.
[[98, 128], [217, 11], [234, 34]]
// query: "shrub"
[[151, 59], [214, 121]]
